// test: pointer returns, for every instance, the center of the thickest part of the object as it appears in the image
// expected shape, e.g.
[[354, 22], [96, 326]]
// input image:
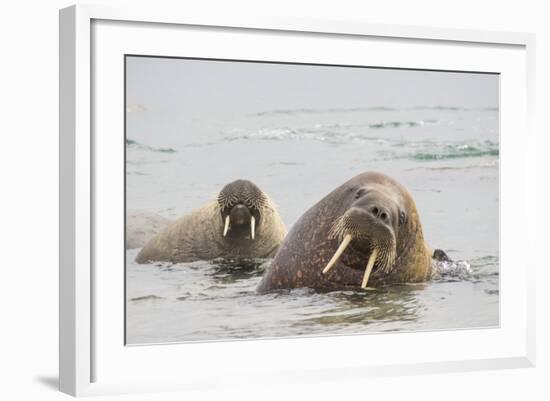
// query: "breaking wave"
[[388, 147], [458, 151], [333, 133], [399, 124]]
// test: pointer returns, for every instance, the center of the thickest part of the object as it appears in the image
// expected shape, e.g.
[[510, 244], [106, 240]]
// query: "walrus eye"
[[402, 218]]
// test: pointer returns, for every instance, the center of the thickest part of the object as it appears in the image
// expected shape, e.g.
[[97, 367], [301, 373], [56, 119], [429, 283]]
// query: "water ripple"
[[303, 110], [132, 144]]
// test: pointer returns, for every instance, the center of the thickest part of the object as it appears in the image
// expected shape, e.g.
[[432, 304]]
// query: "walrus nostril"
[[380, 213]]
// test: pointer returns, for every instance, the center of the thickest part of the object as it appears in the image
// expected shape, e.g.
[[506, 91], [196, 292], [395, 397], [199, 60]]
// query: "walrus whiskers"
[[338, 253], [368, 270], [386, 255], [252, 227], [226, 227]]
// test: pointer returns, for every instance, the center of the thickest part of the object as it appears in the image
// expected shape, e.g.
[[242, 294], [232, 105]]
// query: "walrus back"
[[291, 263], [141, 226], [191, 237]]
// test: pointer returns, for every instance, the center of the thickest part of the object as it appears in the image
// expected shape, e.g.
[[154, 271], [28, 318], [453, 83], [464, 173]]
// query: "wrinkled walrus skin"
[[201, 234], [309, 245]]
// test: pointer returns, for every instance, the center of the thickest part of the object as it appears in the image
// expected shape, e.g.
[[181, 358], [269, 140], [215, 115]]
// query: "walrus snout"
[[370, 213], [379, 212], [240, 215], [369, 227], [364, 222]]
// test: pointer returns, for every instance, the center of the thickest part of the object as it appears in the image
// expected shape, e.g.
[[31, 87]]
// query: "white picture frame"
[[93, 358]]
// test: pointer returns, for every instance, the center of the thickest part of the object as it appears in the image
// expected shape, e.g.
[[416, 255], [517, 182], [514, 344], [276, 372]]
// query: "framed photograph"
[[355, 199]]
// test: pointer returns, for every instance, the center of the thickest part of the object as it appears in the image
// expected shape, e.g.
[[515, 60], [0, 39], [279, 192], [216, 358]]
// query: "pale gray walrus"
[[141, 226], [365, 232], [241, 223]]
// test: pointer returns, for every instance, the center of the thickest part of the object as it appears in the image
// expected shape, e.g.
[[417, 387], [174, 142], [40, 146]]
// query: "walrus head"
[[241, 204], [371, 224]]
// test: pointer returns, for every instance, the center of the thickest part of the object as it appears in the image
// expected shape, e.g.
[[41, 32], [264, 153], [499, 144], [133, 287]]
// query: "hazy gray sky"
[[192, 86]]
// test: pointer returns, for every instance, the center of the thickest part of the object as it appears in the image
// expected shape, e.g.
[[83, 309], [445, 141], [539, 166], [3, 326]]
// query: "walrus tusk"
[[368, 270], [226, 228], [252, 227], [338, 253]]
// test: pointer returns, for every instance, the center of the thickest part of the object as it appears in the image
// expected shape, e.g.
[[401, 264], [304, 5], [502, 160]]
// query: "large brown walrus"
[[242, 223], [367, 232]]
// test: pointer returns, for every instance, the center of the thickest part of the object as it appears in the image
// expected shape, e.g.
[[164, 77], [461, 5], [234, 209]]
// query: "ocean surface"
[[448, 158]]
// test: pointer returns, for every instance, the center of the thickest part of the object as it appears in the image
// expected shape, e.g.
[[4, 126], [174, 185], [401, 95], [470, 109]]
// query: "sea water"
[[447, 157]]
